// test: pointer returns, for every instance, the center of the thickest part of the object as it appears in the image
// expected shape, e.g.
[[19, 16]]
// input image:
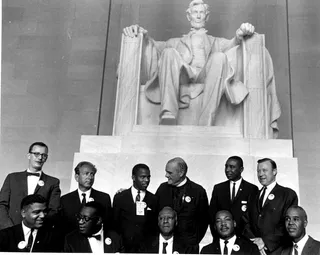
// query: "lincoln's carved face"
[[198, 16]]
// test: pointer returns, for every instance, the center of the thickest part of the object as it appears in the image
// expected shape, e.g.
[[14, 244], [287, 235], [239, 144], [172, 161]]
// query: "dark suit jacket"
[[70, 206], [47, 240], [246, 248], [134, 229], [15, 188], [193, 215], [151, 245], [75, 242], [269, 222], [221, 200], [312, 247]]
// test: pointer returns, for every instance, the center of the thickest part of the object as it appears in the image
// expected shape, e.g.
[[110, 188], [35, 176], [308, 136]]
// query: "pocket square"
[[243, 202], [149, 209]]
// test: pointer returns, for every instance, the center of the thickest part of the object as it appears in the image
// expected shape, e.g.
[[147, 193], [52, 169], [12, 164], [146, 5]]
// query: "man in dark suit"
[[71, 203], [91, 236], [266, 213], [188, 199], [227, 240], [296, 221], [166, 242], [135, 210], [31, 235], [232, 195], [32, 181]]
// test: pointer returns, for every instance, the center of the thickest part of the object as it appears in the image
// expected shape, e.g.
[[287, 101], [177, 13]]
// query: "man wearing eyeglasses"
[[31, 181], [91, 236]]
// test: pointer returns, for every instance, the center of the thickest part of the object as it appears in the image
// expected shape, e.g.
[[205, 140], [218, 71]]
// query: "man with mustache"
[[296, 221], [31, 235], [181, 69], [265, 215], [228, 242], [91, 235], [71, 203], [31, 181], [232, 195], [135, 210]]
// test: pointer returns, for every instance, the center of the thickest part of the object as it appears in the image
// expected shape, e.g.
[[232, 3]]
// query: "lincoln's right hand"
[[134, 30]]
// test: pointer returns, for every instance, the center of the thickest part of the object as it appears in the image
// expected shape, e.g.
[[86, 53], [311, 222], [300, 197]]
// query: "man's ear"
[[133, 177], [76, 177], [99, 220], [23, 213], [234, 223], [28, 155], [305, 223]]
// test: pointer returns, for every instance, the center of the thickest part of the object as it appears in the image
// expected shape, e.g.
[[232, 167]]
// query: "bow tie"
[[33, 174], [98, 237]]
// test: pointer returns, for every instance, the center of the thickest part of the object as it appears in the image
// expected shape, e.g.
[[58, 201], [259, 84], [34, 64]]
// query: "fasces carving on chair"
[[197, 67]]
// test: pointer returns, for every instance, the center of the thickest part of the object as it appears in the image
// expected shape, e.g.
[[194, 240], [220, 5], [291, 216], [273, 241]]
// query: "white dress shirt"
[[230, 244], [301, 244], [88, 193], [238, 183], [169, 247], [134, 193], [26, 233], [97, 246], [32, 181], [268, 191]]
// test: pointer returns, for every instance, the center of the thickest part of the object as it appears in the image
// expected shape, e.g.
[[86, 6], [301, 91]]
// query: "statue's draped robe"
[[231, 87]]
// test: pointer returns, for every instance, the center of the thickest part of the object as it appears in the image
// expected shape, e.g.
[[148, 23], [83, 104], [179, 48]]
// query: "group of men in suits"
[[175, 218]]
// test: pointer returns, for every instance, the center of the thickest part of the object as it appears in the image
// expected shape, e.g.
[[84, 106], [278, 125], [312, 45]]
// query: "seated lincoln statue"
[[181, 69]]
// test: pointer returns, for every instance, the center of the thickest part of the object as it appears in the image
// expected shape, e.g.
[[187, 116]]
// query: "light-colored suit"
[[312, 247]]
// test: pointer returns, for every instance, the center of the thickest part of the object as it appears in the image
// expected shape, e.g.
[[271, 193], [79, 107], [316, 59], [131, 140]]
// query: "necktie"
[[98, 237], [295, 248], [164, 251], [84, 200], [138, 196], [33, 174], [30, 240], [233, 192], [261, 197], [225, 249]]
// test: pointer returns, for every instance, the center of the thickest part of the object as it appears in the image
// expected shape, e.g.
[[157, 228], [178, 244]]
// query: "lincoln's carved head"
[[198, 14]]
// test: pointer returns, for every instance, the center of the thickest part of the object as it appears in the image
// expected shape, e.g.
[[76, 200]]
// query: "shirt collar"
[[238, 182], [29, 171], [88, 193], [162, 240], [231, 241], [99, 232], [134, 191], [26, 230], [271, 186], [302, 242], [182, 183]]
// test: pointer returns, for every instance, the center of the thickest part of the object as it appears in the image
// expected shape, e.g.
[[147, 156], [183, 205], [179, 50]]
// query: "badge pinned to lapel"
[[22, 245], [271, 197], [175, 252], [91, 199], [108, 241], [40, 183], [187, 199], [244, 208], [236, 247]]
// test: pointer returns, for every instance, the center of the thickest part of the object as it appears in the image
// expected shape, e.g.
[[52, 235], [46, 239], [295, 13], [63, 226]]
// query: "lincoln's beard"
[[197, 25]]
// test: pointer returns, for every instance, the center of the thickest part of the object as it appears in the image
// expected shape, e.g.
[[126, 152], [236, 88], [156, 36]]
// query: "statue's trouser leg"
[[214, 77], [170, 68]]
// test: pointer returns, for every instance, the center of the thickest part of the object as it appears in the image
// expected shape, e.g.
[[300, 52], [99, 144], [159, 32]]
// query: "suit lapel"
[[307, 248], [273, 191], [155, 245], [241, 187], [23, 183], [43, 178]]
